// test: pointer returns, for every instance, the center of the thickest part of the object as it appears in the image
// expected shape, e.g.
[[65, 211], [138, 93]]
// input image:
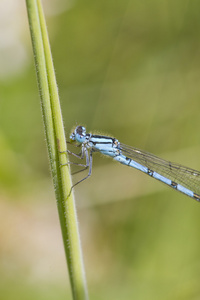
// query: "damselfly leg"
[[88, 164]]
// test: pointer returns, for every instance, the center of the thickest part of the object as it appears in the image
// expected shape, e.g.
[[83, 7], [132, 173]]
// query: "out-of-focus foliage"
[[130, 69]]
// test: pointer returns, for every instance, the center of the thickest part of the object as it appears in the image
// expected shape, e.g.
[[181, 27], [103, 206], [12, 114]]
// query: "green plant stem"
[[56, 143]]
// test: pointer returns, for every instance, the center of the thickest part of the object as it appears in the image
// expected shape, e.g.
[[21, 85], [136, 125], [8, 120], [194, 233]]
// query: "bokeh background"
[[130, 69]]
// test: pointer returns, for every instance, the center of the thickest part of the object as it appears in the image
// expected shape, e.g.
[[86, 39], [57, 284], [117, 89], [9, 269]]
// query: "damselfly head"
[[78, 134]]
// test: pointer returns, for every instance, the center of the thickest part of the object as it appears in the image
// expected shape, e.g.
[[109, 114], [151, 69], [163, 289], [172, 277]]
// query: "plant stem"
[[56, 144]]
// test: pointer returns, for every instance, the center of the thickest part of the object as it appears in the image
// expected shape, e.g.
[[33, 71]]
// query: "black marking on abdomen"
[[174, 185], [150, 172], [129, 161], [196, 197]]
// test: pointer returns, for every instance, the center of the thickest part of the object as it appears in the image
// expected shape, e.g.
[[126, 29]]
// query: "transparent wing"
[[187, 177]]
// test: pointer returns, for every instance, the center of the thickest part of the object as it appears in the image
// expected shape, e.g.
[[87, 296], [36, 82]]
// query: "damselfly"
[[178, 177]]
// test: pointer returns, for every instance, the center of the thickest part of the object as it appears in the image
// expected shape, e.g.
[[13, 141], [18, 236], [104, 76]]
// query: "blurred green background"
[[130, 69]]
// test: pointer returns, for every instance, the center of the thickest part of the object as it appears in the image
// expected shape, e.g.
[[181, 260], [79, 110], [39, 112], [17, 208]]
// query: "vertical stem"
[[56, 143]]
